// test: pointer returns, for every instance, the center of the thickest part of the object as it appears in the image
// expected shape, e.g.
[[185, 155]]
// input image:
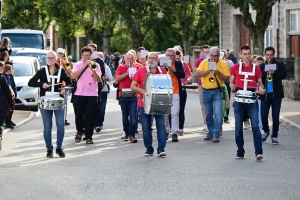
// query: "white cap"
[[60, 50]]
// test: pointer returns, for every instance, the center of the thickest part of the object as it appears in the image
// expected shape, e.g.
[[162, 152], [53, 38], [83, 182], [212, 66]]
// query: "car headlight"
[[25, 88]]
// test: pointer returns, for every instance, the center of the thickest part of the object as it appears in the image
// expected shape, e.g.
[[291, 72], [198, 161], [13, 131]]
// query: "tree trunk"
[[69, 43], [258, 42], [106, 44], [185, 37], [137, 42]]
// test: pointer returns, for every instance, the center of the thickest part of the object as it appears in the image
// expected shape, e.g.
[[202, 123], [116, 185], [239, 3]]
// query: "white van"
[[24, 38]]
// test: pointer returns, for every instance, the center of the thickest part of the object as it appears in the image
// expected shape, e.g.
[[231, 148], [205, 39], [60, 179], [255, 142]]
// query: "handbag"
[[223, 94]]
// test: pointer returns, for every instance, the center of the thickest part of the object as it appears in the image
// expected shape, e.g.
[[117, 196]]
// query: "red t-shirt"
[[140, 78], [240, 83], [126, 82]]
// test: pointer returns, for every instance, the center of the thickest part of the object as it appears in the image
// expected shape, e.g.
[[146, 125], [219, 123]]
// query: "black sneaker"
[[162, 154], [274, 140], [60, 152], [67, 123], [97, 129], [49, 154], [147, 154], [208, 137], [265, 136], [12, 123], [216, 139], [8, 126], [167, 136], [174, 138], [239, 156], [136, 132]]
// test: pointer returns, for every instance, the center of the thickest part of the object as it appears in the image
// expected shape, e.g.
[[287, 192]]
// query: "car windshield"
[[40, 56], [22, 69], [24, 40]]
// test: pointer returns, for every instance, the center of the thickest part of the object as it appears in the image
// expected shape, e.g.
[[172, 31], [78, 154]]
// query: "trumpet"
[[269, 77], [212, 74], [93, 66]]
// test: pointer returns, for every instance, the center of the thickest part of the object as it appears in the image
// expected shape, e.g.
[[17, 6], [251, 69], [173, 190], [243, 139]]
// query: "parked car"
[[24, 69], [38, 53]]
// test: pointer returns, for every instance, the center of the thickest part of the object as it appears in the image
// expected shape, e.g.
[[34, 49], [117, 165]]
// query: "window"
[[268, 39], [295, 20]]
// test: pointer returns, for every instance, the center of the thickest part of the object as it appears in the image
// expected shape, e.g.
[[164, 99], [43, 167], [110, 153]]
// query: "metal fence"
[[289, 64]]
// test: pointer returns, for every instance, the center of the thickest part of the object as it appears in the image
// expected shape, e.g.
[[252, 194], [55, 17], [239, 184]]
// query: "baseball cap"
[[140, 49], [60, 50]]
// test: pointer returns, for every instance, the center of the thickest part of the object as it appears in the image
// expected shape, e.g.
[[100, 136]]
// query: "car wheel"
[[35, 109]]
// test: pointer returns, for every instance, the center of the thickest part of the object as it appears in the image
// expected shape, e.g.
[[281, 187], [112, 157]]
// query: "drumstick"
[[55, 84]]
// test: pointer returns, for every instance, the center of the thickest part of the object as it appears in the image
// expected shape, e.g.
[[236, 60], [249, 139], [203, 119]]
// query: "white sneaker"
[[246, 126], [204, 128], [123, 135], [259, 157]]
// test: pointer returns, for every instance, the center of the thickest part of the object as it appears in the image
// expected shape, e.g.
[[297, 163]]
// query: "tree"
[[138, 16], [207, 29], [26, 14], [258, 27], [100, 21], [67, 15]]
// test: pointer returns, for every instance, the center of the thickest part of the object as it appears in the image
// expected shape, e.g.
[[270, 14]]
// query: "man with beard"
[[137, 86]]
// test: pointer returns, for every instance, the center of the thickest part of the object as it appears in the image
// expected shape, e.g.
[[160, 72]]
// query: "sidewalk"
[[289, 113], [20, 117]]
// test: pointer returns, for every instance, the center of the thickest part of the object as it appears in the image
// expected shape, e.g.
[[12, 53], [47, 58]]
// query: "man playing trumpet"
[[212, 80]]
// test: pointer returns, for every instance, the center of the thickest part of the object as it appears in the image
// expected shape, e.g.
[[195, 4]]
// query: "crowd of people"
[[219, 78]]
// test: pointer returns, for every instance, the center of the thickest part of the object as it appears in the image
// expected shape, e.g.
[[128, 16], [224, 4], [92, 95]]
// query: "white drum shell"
[[160, 91], [52, 103], [245, 97]]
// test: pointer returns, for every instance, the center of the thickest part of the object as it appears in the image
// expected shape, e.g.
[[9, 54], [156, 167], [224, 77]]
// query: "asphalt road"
[[113, 169]]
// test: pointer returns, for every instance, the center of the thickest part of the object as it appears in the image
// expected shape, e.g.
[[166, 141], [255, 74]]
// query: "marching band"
[[151, 88]]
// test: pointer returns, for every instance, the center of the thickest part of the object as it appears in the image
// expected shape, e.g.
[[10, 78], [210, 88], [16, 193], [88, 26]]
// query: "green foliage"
[[121, 40], [26, 14], [207, 29]]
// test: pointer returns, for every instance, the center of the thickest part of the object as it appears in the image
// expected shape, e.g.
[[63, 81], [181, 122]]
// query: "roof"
[[41, 51], [22, 58], [28, 31]]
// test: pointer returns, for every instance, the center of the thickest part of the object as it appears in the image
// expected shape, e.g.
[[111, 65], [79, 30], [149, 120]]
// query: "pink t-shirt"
[[196, 65], [86, 85], [140, 78], [188, 74]]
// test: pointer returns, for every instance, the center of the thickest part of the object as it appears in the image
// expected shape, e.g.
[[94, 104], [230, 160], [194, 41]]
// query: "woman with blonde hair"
[[5, 45]]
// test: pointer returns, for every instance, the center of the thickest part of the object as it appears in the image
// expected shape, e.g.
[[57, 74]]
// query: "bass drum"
[[159, 94], [52, 103]]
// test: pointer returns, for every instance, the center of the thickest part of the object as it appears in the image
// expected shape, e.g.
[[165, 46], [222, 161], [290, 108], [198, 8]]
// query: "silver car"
[[38, 53], [24, 69]]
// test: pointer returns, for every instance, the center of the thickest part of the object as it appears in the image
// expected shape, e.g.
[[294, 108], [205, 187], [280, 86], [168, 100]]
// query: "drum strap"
[[148, 70]]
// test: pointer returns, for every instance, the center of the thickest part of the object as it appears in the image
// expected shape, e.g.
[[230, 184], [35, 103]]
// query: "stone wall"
[[291, 88]]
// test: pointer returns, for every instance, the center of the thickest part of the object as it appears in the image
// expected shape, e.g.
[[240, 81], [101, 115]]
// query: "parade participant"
[[127, 100], [60, 57], [138, 87], [106, 89], [183, 95], [100, 62], [88, 75], [230, 64], [4, 56], [231, 56], [40, 79], [259, 60], [204, 54], [8, 73], [212, 81], [272, 80], [237, 79], [177, 73]]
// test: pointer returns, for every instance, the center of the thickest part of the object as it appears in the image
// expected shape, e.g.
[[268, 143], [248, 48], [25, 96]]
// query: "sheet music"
[[270, 66], [168, 62], [144, 53], [132, 72], [212, 65]]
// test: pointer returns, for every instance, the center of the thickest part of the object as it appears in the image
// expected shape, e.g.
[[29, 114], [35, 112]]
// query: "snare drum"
[[52, 103], [245, 97], [159, 94]]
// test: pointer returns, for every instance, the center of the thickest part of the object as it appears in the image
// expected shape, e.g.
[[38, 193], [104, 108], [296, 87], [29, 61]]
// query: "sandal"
[[89, 141], [78, 137]]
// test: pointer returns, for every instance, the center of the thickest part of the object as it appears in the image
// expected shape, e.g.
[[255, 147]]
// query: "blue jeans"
[[60, 124], [103, 107], [212, 101], [275, 102], [259, 114], [239, 110], [147, 133], [129, 115]]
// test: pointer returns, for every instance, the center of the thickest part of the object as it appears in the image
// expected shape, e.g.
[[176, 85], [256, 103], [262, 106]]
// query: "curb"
[[288, 123], [30, 117]]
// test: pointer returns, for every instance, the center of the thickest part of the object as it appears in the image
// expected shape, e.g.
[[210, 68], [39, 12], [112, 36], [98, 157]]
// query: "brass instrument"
[[269, 78], [93, 66], [67, 65], [212, 74]]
